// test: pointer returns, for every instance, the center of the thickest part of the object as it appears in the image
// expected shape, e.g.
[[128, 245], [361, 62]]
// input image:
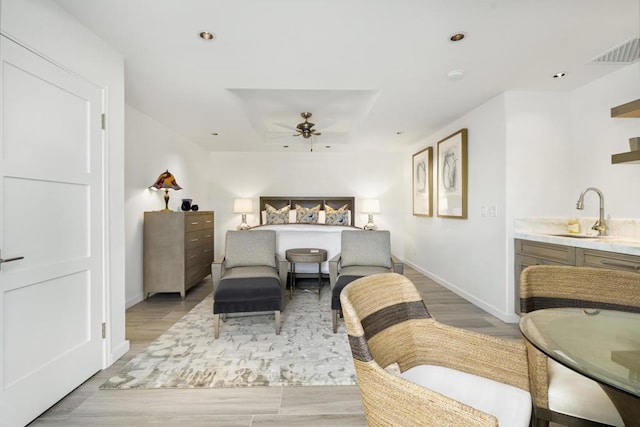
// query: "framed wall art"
[[452, 176], [423, 182]]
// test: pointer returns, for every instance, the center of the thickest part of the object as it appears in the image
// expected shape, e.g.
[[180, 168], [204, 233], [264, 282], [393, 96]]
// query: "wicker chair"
[[362, 253], [559, 394], [250, 277], [447, 376]]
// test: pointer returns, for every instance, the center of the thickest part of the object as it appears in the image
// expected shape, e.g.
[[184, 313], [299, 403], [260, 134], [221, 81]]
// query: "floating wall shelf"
[[630, 109]]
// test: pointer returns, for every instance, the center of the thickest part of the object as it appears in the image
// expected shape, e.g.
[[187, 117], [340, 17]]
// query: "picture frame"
[[452, 176], [422, 184]]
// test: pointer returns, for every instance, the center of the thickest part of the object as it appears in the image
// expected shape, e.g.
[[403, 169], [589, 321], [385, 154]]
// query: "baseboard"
[[505, 317]]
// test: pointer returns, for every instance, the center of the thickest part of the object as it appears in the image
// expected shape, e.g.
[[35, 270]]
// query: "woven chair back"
[[551, 286]]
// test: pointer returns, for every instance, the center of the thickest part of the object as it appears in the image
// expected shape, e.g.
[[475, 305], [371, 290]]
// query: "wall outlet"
[[493, 210]]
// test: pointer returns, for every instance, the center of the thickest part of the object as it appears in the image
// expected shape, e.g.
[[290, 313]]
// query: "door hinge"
[[104, 121], [104, 330]]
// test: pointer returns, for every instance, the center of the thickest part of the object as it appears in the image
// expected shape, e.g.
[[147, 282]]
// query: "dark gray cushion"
[[247, 294], [338, 287]]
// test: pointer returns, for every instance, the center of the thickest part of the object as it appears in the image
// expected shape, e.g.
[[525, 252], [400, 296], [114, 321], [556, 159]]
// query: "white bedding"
[[327, 237]]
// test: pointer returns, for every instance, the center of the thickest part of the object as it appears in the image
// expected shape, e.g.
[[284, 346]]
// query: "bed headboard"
[[309, 202]]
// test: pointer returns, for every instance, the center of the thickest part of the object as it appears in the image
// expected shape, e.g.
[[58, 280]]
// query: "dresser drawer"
[[198, 221], [196, 239]]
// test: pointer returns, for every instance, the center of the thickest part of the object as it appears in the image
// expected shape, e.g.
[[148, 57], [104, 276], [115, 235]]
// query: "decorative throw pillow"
[[277, 216], [338, 216], [307, 215]]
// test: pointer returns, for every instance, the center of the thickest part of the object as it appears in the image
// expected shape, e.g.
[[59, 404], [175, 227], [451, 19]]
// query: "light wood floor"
[[260, 406]]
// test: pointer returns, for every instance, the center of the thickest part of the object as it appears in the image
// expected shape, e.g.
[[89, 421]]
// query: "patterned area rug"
[[248, 353]]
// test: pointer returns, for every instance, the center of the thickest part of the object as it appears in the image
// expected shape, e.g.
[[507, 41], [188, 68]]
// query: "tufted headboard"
[[309, 202]]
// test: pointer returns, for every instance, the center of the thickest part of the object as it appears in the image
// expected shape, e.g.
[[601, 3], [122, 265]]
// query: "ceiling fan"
[[306, 128]]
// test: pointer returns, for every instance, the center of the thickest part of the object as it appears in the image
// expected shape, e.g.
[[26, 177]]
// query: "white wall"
[[363, 175], [467, 256], [151, 149], [596, 136], [531, 154], [47, 29]]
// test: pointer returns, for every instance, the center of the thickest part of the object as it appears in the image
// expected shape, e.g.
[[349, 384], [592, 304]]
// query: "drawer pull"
[[208, 236], [195, 240], [616, 264], [208, 221], [195, 223]]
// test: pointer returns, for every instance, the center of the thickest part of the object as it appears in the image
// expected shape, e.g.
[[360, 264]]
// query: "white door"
[[51, 204]]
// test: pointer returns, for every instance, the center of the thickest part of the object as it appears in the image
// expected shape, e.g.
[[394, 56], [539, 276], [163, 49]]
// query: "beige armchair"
[[250, 277], [442, 375], [362, 253], [559, 394]]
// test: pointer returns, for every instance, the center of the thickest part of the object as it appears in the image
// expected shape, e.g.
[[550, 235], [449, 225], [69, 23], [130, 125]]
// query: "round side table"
[[305, 255]]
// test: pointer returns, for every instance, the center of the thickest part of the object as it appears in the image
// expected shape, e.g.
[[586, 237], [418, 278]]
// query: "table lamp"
[[167, 182], [370, 206], [243, 206]]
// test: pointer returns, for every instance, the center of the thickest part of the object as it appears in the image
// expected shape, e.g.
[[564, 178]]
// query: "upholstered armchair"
[[362, 253], [414, 371], [250, 277], [559, 394]]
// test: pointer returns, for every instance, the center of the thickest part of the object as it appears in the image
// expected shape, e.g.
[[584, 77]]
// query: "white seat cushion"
[[574, 394], [510, 405]]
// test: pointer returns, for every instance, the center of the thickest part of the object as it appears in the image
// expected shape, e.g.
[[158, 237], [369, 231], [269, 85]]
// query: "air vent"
[[624, 53]]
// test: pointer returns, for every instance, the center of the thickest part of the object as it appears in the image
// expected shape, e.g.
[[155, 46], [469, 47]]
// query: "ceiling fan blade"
[[286, 126]]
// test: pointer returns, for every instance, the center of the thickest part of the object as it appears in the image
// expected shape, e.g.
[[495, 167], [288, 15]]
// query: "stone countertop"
[[550, 230]]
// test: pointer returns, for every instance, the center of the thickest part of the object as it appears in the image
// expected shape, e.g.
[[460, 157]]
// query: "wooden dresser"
[[178, 250]]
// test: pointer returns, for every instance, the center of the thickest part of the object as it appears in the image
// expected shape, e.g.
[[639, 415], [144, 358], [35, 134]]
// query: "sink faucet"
[[600, 225]]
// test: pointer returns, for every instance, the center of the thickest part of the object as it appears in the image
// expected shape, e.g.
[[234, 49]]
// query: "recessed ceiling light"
[[559, 75], [285, 146], [214, 133], [456, 37], [206, 35]]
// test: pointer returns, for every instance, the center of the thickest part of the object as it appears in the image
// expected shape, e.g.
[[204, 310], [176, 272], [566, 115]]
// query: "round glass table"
[[603, 345]]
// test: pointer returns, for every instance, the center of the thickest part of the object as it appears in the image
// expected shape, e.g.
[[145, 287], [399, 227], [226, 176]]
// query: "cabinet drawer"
[[198, 238], [194, 256], [608, 260], [198, 221], [547, 251], [196, 273]]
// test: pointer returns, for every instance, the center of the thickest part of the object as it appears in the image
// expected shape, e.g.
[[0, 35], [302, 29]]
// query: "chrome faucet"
[[600, 225]]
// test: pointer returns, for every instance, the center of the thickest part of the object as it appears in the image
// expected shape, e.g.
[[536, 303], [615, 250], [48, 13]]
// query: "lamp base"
[[370, 225], [166, 200], [243, 225]]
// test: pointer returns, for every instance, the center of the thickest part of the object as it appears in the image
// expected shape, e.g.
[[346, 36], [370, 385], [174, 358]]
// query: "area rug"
[[248, 353]]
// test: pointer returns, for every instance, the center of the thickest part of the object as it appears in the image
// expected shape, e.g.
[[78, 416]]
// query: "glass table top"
[[603, 345]]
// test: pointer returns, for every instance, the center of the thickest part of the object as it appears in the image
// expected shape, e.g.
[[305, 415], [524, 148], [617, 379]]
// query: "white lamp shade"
[[371, 206], [242, 206]]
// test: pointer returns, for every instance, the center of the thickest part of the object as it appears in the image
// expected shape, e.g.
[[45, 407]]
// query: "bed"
[[321, 234]]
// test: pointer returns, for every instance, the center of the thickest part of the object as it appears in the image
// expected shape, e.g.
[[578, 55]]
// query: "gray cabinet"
[[528, 252], [178, 250]]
